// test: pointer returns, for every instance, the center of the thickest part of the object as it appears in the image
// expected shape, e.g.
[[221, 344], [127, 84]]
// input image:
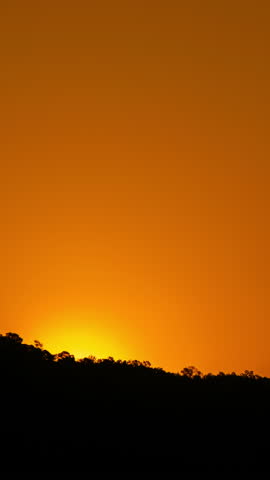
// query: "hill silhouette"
[[59, 414]]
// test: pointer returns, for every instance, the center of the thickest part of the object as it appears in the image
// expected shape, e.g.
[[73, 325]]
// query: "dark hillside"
[[104, 415]]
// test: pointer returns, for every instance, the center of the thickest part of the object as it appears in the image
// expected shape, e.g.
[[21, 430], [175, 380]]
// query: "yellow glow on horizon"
[[82, 337]]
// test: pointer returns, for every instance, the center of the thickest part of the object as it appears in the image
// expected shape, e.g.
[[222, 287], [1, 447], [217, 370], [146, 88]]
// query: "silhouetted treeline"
[[106, 415]]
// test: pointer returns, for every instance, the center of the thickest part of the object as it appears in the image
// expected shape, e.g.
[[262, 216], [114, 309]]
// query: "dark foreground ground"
[[66, 416], [142, 441]]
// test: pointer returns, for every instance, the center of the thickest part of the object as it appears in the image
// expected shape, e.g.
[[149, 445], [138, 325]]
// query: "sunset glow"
[[134, 182], [90, 338]]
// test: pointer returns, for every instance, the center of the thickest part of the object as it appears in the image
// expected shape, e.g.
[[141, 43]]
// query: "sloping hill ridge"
[[58, 414]]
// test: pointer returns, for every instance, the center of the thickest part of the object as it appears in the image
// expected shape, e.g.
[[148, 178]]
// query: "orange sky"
[[134, 179]]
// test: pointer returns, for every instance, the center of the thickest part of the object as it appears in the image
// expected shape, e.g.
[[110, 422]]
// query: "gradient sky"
[[134, 199]]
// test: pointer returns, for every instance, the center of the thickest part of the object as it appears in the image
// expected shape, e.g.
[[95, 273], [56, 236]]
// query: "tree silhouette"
[[191, 372], [38, 344], [64, 357], [14, 337]]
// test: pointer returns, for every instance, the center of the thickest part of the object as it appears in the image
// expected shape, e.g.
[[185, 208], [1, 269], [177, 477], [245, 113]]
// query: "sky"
[[134, 180]]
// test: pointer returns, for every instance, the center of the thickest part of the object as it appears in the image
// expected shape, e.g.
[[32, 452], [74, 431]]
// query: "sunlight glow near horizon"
[[82, 337]]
